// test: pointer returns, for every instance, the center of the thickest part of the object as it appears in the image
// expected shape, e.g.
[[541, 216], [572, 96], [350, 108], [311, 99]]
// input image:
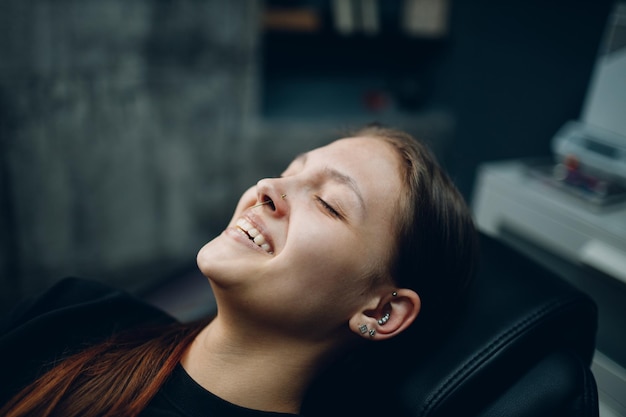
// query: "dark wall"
[[516, 71], [121, 124]]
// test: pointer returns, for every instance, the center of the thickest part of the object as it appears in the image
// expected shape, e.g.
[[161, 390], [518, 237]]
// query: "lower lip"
[[241, 237]]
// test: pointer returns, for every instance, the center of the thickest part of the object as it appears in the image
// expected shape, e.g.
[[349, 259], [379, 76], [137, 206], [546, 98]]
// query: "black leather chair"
[[523, 347]]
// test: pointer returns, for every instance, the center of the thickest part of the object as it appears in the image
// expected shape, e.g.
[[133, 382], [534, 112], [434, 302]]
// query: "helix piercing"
[[283, 196], [384, 319], [394, 294]]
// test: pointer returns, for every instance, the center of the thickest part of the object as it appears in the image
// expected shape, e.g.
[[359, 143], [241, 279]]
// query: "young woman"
[[351, 245]]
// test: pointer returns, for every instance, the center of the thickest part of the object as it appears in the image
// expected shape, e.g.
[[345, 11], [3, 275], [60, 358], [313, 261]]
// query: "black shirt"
[[181, 396]]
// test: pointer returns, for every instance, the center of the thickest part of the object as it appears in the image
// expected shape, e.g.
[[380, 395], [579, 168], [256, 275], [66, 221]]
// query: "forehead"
[[372, 163], [354, 151]]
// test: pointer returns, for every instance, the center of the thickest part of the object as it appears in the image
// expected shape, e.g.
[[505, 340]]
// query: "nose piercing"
[[269, 201], [262, 203]]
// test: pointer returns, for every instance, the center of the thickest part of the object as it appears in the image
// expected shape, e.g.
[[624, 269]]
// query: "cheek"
[[335, 266]]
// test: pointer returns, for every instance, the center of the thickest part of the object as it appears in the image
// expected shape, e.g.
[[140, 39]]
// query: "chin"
[[205, 257]]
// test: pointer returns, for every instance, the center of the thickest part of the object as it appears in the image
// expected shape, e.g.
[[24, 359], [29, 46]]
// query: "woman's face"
[[317, 248]]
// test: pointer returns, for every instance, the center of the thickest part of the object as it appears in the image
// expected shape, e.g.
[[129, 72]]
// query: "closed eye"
[[330, 209]]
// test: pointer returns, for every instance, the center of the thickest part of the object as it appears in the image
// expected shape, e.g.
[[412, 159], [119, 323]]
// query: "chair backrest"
[[523, 347]]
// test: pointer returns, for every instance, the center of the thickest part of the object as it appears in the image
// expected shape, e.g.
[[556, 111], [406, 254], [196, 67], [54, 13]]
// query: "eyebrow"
[[338, 177]]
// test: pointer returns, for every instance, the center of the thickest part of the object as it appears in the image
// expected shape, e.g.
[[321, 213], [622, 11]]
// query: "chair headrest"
[[517, 314]]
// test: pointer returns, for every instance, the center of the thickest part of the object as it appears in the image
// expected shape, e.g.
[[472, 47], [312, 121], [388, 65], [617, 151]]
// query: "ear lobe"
[[394, 312]]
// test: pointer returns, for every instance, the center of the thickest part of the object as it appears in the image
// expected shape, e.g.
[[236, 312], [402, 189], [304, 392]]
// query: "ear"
[[388, 314]]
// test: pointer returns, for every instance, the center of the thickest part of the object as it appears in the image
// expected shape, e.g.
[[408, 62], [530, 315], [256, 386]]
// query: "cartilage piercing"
[[384, 319], [283, 196], [394, 294]]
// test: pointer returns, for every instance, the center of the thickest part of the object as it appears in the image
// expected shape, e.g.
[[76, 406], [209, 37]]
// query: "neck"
[[253, 371]]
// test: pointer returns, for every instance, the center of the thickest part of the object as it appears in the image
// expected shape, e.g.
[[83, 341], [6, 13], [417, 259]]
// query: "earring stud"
[[283, 196], [384, 319], [363, 329]]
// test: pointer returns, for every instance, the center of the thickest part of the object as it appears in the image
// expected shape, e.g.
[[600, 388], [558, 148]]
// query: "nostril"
[[266, 201]]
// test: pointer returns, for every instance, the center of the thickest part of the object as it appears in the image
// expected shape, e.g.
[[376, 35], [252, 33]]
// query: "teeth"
[[244, 224], [254, 235]]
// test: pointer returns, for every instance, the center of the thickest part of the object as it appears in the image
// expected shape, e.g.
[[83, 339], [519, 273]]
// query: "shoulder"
[[70, 315], [78, 305]]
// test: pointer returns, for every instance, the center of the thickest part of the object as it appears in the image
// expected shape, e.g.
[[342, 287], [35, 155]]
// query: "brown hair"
[[437, 246], [118, 377]]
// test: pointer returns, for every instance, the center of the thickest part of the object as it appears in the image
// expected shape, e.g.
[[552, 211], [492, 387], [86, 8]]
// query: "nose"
[[272, 194]]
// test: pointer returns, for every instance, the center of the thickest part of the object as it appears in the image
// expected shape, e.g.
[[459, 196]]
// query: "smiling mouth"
[[254, 235]]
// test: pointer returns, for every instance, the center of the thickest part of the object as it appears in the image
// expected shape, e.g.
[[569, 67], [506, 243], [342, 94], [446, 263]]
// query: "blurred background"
[[128, 129]]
